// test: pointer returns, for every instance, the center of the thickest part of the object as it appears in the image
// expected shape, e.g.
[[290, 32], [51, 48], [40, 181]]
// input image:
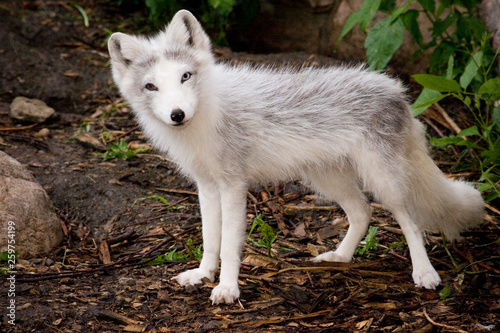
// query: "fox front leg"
[[233, 203], [210, 204]]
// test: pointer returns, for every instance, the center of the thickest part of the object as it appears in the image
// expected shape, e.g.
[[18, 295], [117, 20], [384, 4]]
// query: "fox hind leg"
[[424, 274], [342, 187]]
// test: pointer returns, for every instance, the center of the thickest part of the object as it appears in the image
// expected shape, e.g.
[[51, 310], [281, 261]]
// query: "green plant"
[[195, 251], [478, 90], [121, 150], [268, 237], [445, 293], [83, 13], [162, 200], [84, 127], [217, 16], [395, 245], [456, 31], [214, 13], [6, 255], [371, 242]]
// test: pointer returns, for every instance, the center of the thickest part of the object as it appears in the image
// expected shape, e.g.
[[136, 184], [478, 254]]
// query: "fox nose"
[[177, 116]]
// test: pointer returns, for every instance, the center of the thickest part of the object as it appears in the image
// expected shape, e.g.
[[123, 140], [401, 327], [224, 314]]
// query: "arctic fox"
[[339, 129]]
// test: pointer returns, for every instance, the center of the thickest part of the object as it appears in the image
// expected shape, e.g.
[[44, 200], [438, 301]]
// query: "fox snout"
[[177, 116]]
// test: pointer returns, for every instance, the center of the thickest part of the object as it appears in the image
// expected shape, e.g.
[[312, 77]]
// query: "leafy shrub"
[[462, 67], [478, 91], [216, 15], [121, 150], [456, 31]]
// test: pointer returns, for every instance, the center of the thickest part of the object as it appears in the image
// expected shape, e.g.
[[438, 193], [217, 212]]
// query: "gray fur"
[[339, 129]]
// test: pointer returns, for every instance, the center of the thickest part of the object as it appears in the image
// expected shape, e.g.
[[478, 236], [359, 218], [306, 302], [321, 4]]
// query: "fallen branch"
[[171, 190], [311, 207], [448, 327], [448, 119], [331, 268], [18, 128]]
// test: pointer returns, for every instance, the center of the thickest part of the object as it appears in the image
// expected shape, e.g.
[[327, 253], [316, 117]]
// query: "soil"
[[118, 214]]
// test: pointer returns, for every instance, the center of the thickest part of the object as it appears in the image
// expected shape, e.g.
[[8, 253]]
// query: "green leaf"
[[83, 13], [470, 28], [447, 140], [440, 26], [350, 23], [426, 98], [471, 69], [4, 255], [495, 117], [398, 11], [428, 5], [471, 131], [363, 16], [224, 7], [382, 42], [449, 69], [411, 24], [485, 187], [437, 83], [266, 231], [490, 89], [470, 144], [445, 293], [440, 55], [371, 242], [387, 6], [368, 10]]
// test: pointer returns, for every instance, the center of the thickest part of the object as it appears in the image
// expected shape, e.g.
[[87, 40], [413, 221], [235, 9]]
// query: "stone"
[[33, 110], [489, 13], [25, 206], [43, 133]]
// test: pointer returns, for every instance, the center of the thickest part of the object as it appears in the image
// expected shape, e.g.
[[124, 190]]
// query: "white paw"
[[225, 294], [193, 276], [331, 256], [427, 278]]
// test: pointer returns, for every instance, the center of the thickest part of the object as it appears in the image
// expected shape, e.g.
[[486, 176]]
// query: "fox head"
[[158, 75]]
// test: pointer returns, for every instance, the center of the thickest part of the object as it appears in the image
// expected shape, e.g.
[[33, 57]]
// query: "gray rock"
[[489, 12], [25, 205], [34, 110]]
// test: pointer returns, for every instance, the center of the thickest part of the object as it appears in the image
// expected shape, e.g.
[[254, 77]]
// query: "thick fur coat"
[[341, 130]]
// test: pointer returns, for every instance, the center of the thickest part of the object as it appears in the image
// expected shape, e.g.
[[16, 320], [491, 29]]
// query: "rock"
[[90, 141], [489, 12], [34, 110], [43, 133], [25, 205]]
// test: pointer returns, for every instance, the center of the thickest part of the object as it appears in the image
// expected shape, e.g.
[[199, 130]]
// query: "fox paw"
[[193, 276], [225, 294], [331, 256], [427, 278]]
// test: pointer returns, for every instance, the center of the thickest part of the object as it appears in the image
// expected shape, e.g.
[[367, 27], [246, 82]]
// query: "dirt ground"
[[118, 213]]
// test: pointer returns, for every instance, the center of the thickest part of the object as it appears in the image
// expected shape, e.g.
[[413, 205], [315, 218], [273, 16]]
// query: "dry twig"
[[448, 327]]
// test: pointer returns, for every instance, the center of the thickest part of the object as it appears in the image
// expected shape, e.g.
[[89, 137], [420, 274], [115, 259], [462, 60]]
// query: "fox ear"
[[123, 49], [185, 29]]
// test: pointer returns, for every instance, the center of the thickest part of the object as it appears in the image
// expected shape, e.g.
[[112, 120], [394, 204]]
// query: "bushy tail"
[[436, 202]]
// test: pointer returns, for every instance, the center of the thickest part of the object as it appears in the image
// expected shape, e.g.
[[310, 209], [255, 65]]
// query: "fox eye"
[[151, 87], [186, 76]]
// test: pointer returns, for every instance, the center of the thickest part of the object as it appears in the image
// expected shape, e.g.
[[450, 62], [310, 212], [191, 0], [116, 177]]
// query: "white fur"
[[340, 129]]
